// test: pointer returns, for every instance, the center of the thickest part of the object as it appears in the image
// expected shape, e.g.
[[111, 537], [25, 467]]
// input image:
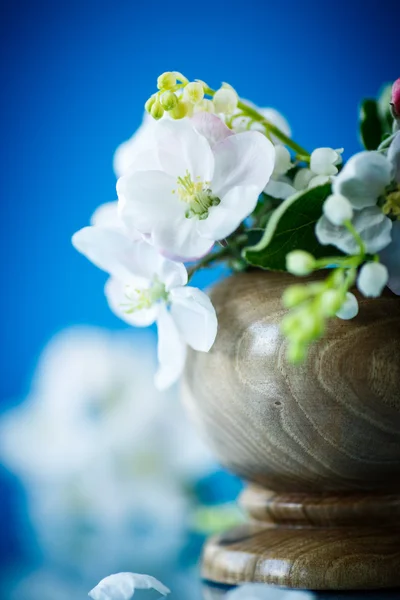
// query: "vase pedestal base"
[[310, 542]]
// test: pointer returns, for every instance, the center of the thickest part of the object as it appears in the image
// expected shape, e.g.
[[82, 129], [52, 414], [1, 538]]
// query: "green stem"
[[350, 227]]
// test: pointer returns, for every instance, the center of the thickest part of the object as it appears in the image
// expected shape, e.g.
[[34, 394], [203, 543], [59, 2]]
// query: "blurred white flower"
[[261, 591], [122, 586], [195, 185], [390, 257], [241, 123], [324, 161], [372, 225], [363, 179], [146, 287], [280, 186], [106, 480], [126, 153]]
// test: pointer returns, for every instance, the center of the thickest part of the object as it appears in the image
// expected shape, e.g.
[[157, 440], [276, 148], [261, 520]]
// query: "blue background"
[[75, 76]]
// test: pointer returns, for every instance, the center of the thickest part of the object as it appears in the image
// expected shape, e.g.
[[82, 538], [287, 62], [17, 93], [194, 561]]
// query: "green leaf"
[[291, 227], [371, 125]]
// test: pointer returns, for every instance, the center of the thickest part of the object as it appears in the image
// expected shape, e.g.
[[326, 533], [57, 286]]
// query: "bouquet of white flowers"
[[209, 177]]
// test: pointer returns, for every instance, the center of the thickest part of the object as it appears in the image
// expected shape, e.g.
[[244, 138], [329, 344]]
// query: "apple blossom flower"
[[127, 151], [372, 225], [146, 287], [261, 591], [195, 185], [122, 586], [372, 279], [242, 123], [324, 161]]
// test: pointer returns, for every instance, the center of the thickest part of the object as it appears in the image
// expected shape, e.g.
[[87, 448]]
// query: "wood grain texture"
[[330, 424], [324, 436]]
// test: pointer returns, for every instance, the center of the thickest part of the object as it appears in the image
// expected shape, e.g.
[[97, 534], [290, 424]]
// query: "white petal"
[[171, 351], [121, 586], [211, 127], [109, 249], [182, 239], [106, 215], [116, 294], [320, 180], [195, 317], [181, 148], [244, 159], [148, 199], [283, 160], [372, 278], [394, 156], [337, 209], [372, 225], [127, 152], [363, 178], [390, 256], [349, 308], [302, 179], [234, 207], [323, 161], [279, 189]]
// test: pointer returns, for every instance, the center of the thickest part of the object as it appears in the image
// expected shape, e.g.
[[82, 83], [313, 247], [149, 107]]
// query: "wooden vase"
[[319, 443]]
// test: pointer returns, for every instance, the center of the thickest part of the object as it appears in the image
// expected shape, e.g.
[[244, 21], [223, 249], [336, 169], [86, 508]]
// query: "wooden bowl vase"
[[319, 443]]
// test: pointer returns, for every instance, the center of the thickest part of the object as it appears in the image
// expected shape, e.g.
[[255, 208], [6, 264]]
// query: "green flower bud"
[[294, 295], [150, 103], [194, 92], [157, 110], [331, 301], [182, 109], [169, 100], [166, 81], [300, 262]]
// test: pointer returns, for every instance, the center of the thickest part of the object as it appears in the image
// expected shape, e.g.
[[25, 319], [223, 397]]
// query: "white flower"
[[393, 156], [283, 161], [242, 123], [372, 225], [122, 586], [196, 185], [349, 308], [390, 257], [324, 161], [261, 591], [146, 287], [372, 279], [302, 179], [337, 209], [363, 179]]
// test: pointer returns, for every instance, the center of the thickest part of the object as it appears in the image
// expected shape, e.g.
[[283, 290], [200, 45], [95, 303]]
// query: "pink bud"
[[396, 98]]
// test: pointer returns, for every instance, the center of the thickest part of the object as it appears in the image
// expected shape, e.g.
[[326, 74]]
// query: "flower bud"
[[294, 295], [331, 302], [300, 262], [396, 98], [349, 308], [166, 81], [149, 104], [323, 161], [182, 109], [372, 279], [157, 110], [194, 92], [225, 101], [337, 209], [204, 106], [169, 100]]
